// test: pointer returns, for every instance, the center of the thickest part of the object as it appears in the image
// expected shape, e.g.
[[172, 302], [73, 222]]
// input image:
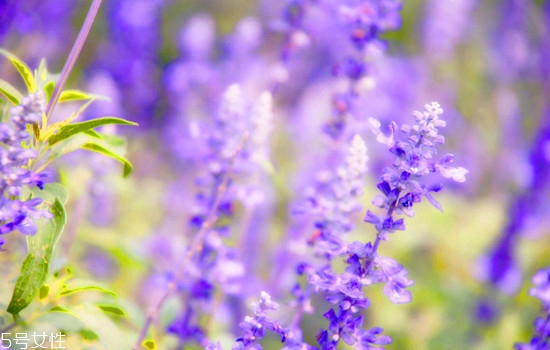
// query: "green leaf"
[[89, 335], [33, 273], [44, 292], [69, 130], [22, 68], [11, 93], [112, 309], [108, 145], [96, 147], [77, 95], [50, 192], [35, 267], [72, 289], [48, 89], [59, 309]]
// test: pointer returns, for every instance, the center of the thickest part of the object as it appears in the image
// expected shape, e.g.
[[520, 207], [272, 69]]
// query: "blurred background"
[[165, 65]]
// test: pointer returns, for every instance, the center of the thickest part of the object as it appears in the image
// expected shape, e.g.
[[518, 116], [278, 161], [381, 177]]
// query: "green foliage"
[[69, 130], [77, 95], [66, 130], [108, 145], [53, 141], [22, 68], [11, 93], [44, 292], [35, 267], [82, 286]]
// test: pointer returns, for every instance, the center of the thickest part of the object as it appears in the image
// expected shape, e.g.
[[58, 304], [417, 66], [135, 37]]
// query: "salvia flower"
[[15, 156], [415, 157], [335, 199], [237, 139], [334, 202], [541, 290], [254, 327]]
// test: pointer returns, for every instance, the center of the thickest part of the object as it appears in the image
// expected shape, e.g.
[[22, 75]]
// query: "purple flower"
[[335, 199], [254, 327], [541, 290], [373, 337], [415, 152], [15, 157]]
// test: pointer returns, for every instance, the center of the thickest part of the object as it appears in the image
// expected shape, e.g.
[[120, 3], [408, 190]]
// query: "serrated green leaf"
[[112, 309], [22, 68], [35, 267], [11, 93], [69, 130]]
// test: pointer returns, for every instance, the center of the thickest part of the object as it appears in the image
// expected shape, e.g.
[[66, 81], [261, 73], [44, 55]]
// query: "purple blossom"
[[541, 290], [415, 157], [15, 157], [254, 327], [336, 198], [237, 147]]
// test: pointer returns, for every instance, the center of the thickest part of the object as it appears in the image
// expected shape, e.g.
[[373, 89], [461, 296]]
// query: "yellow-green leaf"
[[22, 68], [76, 95], [10, 92]]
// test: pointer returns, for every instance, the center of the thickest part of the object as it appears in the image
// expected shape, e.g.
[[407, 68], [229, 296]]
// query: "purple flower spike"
[[15, 157], [254, 327], [415, 152]]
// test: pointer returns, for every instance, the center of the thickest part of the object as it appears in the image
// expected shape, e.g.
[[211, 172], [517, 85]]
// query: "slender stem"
[[73, 56]]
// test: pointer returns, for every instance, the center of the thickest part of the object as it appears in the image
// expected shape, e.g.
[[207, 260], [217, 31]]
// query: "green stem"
[[73, 56]]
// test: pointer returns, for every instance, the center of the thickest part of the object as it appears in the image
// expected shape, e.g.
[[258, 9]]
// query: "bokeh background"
[[165, 64]]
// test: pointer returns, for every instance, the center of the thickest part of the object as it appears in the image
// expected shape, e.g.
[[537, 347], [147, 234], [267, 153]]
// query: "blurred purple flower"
[[541, 290]]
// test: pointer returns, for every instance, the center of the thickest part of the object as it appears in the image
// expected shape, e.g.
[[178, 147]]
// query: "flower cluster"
[[254, 327], [237, 138], [362, 23], [415, 157], [333, 202], [15, 155], [540, 340], [335, 198]]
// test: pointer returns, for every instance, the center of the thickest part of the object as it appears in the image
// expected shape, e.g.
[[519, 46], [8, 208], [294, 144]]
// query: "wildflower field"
[[275, 174]]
